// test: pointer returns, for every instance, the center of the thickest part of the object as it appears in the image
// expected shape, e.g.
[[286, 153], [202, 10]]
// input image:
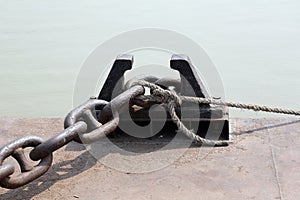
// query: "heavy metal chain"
[[82, 126]]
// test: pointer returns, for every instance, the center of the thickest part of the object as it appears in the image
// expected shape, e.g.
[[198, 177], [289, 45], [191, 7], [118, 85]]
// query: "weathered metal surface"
[[262, 163], [81, 126], [119, 102], [115, 79], [28, 174], [6, 170], [199, 117], [57, 141], [189, 77], [87, 113], [210, 122]]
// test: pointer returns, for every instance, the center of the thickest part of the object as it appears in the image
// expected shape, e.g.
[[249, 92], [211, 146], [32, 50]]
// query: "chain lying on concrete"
[[82, 126]]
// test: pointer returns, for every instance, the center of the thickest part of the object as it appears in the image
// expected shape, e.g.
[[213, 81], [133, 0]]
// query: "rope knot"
[[167, 96]]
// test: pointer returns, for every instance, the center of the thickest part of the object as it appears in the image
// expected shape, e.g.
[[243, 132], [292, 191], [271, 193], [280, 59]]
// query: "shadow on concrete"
[[59, 171], [266, 127], [70, 168]]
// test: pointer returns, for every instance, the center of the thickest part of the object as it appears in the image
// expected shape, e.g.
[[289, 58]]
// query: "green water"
[[254, 44]]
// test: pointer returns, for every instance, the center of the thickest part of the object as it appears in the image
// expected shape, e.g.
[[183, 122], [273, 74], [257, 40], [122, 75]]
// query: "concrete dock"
[[262, 163]]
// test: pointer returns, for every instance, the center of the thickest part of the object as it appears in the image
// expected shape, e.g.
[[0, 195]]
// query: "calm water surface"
[[254, 44]]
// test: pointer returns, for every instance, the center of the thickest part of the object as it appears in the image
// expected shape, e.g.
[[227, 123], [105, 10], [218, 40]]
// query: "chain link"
[[27, 174], [81, 126], [6, 170], [58, 141], [87, 113], [119, 103]]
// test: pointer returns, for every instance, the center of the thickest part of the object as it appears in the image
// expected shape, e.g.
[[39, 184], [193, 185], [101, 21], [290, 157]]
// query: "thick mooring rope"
[[190, 134], [172, 99], [167, 94], [240, 105]]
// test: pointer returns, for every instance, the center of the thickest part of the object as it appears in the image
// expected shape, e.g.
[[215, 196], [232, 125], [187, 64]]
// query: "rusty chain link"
[[28, 173], [87, 113], [81, 126], [6, 170], [58, 141]]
